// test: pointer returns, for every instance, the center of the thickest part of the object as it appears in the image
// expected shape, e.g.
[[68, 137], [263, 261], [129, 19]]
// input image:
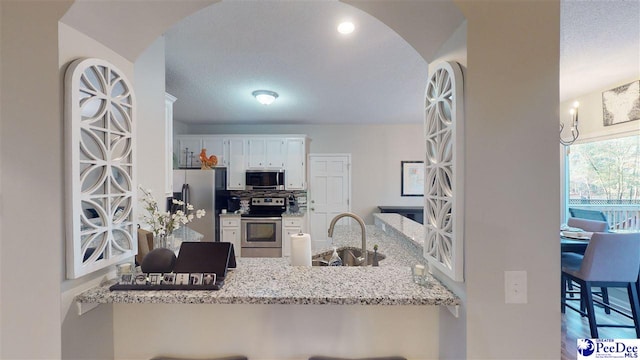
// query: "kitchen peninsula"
[[274, 281]]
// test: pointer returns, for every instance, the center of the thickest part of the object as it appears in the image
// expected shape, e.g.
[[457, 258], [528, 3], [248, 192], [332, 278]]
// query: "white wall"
[[376, 152], [512, 177], [275, 332], [73, 44], [590, 119], [149, 85], [454, 49], [32, 183], [1, 189]]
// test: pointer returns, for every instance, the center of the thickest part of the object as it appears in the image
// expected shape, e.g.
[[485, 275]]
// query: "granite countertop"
[[274, 281], [401, 226]]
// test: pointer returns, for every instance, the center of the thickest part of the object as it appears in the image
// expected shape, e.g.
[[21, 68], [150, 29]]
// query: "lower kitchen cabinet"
[[230, 231], [291, 225]]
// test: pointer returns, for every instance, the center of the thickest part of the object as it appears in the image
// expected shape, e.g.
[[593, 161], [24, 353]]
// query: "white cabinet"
[[216, 145], [168, 143], [275, 157], [238, 153], [189, 147], [256, 152], [291, 225], [265, 153], [295, 164], [236, 166], [230, 231]]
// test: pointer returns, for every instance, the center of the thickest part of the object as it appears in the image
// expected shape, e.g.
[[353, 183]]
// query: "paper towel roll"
[[300, 250]]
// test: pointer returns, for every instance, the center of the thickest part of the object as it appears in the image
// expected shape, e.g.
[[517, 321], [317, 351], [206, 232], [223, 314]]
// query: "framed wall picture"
[[621, 104], [412, 178]]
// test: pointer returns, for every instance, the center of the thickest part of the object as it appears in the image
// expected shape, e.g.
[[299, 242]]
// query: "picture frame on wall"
[[621, 104], [412, 178]]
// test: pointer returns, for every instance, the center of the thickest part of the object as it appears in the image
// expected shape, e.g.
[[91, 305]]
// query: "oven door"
[[261, 232]]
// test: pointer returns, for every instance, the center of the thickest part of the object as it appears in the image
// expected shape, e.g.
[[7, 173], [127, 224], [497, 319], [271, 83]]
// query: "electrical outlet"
[[515, 287]]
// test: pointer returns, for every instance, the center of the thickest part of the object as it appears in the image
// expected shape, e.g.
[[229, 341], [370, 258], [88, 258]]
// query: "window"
[[604, 175]]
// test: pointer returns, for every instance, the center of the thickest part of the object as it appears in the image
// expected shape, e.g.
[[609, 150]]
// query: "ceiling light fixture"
[[265, 97], [346, 27]]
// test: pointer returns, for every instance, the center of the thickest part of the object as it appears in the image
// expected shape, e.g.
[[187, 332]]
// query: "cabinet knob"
[[313, 209]]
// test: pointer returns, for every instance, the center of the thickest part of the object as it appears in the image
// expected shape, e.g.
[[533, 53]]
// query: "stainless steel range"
[[262, 227]]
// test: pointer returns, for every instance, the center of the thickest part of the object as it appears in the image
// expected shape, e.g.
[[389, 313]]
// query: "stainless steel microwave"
[[264, 180]]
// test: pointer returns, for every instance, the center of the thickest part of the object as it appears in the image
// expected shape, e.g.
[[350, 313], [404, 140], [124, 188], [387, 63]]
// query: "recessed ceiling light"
[[265, 97], [346, 27]]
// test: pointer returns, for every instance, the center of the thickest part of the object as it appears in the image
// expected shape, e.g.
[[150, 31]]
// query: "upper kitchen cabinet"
[[239, 153], [265, 153], [216, 145], [295, 164], [236, 166], [189, 147]]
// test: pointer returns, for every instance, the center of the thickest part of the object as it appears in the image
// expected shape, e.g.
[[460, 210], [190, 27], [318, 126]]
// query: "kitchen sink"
[[348, 255]]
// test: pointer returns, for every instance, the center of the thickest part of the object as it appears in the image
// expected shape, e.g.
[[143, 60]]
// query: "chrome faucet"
[[363, 259]]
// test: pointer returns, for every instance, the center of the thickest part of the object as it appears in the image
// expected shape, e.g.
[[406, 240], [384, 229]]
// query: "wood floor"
[[576, 327]]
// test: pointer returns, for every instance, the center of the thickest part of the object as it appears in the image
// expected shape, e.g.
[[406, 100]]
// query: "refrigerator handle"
[[185, 196]]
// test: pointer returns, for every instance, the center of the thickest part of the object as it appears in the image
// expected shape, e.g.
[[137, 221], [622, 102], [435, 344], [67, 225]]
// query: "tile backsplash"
[[300, 195], [248, 194]]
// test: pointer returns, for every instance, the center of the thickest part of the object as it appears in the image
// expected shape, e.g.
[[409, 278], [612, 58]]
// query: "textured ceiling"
[[218, 56], [599, 45]]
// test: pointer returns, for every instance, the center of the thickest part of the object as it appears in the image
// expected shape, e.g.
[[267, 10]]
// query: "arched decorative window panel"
[[100, 154], [444, 165]]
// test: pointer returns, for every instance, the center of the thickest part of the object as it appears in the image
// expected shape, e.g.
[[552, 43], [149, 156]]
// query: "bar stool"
[[611, 260]]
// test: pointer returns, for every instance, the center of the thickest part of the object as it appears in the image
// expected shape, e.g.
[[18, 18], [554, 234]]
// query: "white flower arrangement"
[[164, 223]]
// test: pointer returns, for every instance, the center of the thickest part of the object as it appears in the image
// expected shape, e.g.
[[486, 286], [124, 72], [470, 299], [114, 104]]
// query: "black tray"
[[164, 287]]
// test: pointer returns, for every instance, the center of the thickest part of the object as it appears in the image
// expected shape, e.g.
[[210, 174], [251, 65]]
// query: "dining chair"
[[588, 214], [573, 261], [571, 258], [611, 260], [588, 225]]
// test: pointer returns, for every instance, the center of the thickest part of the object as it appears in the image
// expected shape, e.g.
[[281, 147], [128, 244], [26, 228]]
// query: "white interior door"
[[329, 193]]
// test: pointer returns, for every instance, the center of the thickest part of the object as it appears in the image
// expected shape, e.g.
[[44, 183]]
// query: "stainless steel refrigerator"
[[202, 189]]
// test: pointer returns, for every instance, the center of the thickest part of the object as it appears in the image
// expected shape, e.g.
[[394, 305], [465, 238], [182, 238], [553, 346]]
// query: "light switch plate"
[[515, 287]]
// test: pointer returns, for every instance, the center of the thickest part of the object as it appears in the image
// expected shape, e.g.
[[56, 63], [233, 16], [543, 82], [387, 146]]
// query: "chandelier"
[[574, 126]]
